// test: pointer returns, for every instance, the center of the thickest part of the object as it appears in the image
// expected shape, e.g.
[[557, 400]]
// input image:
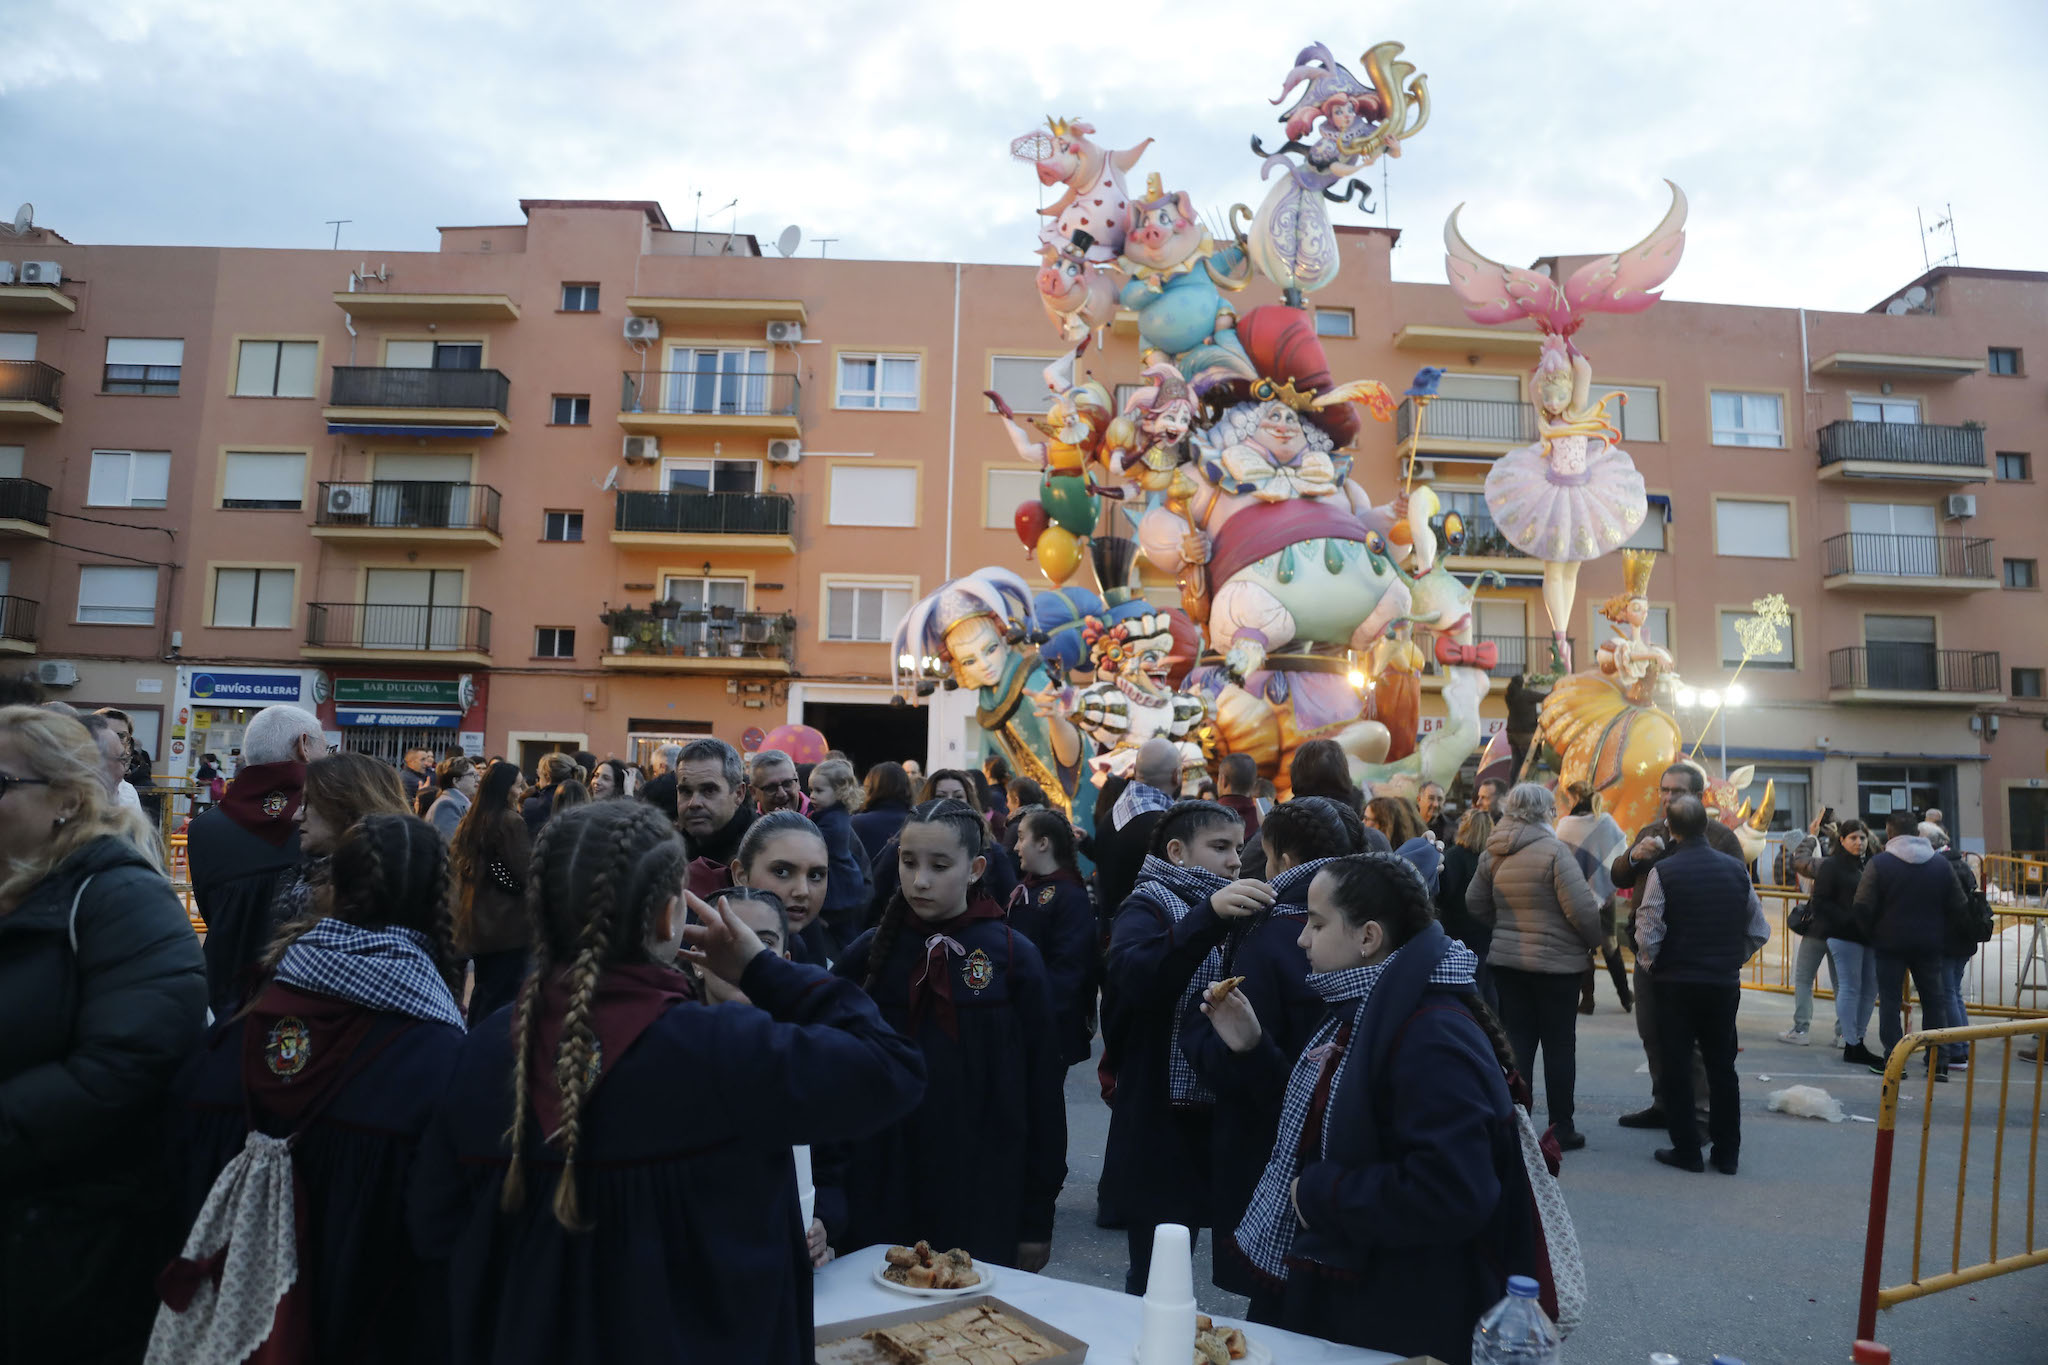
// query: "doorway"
[[869, 734], [2026, 816], [1882, 788]]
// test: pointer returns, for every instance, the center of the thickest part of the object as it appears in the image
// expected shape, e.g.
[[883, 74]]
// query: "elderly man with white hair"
[[244, 846]]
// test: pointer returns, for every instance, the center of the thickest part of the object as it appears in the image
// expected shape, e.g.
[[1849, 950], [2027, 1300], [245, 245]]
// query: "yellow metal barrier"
[[2006, 1060]]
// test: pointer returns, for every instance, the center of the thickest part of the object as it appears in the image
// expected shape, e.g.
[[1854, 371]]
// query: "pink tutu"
[[1562, 517]]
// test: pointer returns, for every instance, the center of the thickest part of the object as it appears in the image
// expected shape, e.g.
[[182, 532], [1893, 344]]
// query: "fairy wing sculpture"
[[1623, 282]]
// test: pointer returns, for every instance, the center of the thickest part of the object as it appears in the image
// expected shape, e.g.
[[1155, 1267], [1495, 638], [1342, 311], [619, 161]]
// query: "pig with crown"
[[1176, 279]]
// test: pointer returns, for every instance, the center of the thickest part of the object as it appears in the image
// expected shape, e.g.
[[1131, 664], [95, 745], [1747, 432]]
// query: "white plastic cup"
[[1168, 1336], [806, 1191]]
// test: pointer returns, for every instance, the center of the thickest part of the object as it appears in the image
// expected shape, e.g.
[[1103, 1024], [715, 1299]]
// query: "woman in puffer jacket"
[[1544, 919]]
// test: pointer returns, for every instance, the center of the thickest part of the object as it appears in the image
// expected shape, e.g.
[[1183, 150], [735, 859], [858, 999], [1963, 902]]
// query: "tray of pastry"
[[982, 1330]]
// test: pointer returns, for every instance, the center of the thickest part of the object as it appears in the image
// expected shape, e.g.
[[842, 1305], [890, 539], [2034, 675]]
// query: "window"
[[711, 476], [262, 481], [413, 609], [1007, 490], [707, 594], [579, 298], [2026, 682], [864, 611], [555, 642], [1020, 379], [888, 382], [1900, 653], [562, 526], [873, 497], [116, 595], [2015, 467], [1487, 388], [247, 598], [434, 355], [1752, 530], [1656, 629], [143, 365], [1793, 788], [718, 381], [571, 410], [1731, 643], [1903, 412], [17, 345], [2022, 573], [1641, 418], [2004, 360], [129, 478], [1895, 539], [277, 369], [1748, 419], [1651, 534], [1336, 322], [11, 462]]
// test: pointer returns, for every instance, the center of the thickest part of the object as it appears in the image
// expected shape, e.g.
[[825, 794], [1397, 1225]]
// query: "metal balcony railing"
[[24, 500], [1484, 540], [1526, 654], [1902, 667], [31, 381], [18, 619], [408, 505], [391, 386], [664, 628], [704, 393], [1902, 443], [1894, 556], [1468, 419], [737, 514], [382, 625]]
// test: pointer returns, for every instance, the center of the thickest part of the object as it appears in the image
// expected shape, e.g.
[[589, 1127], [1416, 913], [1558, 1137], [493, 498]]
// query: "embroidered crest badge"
[[978, 970], [1046, 893], [288, 1046], [274, 804]]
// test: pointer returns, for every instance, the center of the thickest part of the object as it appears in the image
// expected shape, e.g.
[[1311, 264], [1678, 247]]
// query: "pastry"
[[919, 1267], [982, 1335], [1223, 988]]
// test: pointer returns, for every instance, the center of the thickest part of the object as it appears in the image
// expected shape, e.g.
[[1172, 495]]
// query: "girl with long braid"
[[980, 1163], [1396, 1203], [1051, 908], [344, 1048], [642, 1202]]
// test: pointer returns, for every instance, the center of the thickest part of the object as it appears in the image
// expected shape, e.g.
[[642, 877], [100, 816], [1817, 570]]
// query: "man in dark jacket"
[[1698, 922], [1121, 850], [1653, 842], [1961, 937], [1909, 897], [1239, 774], [243, 848], [712, 811], [416, 769]]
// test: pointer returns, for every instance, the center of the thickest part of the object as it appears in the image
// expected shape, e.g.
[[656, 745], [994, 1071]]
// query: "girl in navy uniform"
[[1300, 837], [643, 1204], [346, 1045], [1051, 907], [1166, 946], [1396, 1204], [980, 1163], [783, 853]]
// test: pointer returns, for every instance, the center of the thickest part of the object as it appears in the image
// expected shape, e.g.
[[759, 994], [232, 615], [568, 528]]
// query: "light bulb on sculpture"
[[1687, 698], [1356, 679], [1709, 698], [1735, 694]]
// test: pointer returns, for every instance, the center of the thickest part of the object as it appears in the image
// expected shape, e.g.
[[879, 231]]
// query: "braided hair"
[[972, 831], [601, 871], [389, 871], [1305, 829], [1043, 822], [1185, 820]]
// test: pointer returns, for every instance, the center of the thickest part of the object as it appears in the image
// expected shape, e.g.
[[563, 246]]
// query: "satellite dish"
[[1897, 308], [1915, 296], [790, 239], [24, 219], [611, 478]]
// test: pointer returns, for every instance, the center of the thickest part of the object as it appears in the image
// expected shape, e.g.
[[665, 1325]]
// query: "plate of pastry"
[[929, 1274], [1219, 1343]]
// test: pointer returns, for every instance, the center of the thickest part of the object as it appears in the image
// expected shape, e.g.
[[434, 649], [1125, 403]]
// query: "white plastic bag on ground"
[[1806, 1102]]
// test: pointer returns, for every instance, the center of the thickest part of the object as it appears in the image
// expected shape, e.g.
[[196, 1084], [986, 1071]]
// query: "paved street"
[[1764, 1266]]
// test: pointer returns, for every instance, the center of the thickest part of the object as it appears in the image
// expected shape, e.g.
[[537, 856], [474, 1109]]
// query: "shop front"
[[388, 711], [213, 707]]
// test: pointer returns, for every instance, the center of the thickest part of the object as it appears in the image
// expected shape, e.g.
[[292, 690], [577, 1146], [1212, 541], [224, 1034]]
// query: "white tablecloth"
[[1108, 1321]]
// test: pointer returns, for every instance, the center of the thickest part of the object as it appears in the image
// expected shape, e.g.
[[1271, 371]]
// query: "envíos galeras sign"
[[245, 688]]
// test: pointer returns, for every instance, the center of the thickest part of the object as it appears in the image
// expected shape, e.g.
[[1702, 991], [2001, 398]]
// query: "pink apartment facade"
[[463, 498]]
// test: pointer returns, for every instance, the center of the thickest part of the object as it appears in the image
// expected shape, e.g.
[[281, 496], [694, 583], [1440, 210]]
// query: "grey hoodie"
[[1529, 889]]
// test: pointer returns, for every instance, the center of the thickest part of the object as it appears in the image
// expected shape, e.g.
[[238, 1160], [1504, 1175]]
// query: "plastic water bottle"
[[1516, 1331]]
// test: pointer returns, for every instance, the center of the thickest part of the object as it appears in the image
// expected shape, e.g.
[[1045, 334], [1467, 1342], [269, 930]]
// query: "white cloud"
[[1805, 134]]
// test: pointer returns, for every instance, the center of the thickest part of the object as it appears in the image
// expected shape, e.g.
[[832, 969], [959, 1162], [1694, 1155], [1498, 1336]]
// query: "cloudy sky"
[[1805, 132]]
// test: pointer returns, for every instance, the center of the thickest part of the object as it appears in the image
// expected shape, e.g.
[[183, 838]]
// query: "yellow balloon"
[[1059, 554]]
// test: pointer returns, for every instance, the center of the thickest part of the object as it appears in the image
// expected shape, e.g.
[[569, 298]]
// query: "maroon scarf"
[[264, 799], [630, 997], [296, 1047], [931, 981]]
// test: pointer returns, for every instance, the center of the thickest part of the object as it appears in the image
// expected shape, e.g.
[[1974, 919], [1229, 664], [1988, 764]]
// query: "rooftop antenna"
[[1946, 224], [824, 242], [24, 220], [789, 240], [697, 221], [336, 223]]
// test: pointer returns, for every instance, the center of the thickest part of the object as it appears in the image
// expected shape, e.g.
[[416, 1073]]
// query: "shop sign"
[[398, 691], [472, 742], [438, 720], [244, 689]]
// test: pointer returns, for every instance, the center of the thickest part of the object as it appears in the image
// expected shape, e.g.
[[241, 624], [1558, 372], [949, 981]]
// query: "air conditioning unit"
[[57, 673], [6, 272], [1957, 506], [785, 331], [41, 272], [785, 451], [643, 449], [642, 329], [348, 500]]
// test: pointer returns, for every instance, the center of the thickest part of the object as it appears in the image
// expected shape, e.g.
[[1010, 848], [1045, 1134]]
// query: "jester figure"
[[1132, 699]]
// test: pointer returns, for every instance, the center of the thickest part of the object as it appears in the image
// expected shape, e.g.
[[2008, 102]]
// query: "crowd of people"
[[477, 1067]]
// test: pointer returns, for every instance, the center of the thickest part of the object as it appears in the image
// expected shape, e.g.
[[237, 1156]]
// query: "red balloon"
[[1031, 519]]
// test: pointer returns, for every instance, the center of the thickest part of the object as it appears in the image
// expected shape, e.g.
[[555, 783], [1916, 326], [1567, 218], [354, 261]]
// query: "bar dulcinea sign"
[[398, 691]]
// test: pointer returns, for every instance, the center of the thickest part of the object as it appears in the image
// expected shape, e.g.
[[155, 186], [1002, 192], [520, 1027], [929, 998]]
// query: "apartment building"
[[584, 480]]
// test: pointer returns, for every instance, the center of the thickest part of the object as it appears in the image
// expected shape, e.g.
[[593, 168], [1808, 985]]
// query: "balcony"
[[1898, 365], [717, 312], [35, 298], [1486, 547], [696, 400], [1914, 674], [24, 509], [427, 307], [439, 513], [705, 521], [1463, 341], [1902, 452], [1862, 559], [1467, 426], [30, 393], [18, 625], [384, 631], [1519, 654], [665, 638], [389, 400]]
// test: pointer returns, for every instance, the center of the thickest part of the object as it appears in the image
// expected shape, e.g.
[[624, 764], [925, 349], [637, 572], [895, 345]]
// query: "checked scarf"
[[1267, 1233], [1177, 890], [383, 969], [1136, 799]]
